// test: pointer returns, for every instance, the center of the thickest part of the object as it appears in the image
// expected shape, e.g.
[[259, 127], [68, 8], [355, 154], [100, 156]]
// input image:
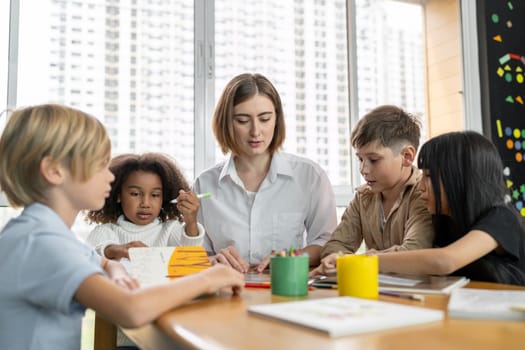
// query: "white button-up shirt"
[[294, 207]]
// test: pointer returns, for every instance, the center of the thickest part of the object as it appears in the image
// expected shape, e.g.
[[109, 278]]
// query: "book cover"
[[421, 284], [486, 304], [152, 265], [187, 260], [427, 284], [342, 316]]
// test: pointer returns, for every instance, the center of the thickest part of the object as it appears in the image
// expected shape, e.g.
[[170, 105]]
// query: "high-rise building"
[[390, 55], [131, 64], [300, 46]]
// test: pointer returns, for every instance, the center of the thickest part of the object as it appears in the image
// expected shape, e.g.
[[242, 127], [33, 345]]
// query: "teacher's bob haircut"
[[240, 89]]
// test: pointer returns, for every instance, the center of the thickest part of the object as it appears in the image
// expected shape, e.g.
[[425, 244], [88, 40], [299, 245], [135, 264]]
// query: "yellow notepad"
[[187, 260]]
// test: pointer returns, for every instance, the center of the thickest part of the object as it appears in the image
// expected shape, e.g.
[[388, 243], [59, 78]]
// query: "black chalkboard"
[[501, 33]]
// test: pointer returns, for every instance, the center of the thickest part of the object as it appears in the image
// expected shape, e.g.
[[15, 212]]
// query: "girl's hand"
[[188, 204], [119, 251]]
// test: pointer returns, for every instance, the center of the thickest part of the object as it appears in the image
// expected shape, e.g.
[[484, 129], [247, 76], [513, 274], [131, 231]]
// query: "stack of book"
[[406, 283]]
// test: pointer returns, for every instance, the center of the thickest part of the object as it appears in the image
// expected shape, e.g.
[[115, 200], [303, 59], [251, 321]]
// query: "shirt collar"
[[40, 210], [279, 166]]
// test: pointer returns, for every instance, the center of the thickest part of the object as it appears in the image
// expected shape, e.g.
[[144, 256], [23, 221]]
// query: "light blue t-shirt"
[[42, 264]]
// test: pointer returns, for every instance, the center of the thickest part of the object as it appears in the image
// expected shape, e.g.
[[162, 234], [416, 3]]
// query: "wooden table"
[[222, 322]]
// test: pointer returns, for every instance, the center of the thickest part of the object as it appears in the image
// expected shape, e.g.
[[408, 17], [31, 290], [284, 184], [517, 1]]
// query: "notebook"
[[487, 304], [342, 316], [153, 265], [408, 283]]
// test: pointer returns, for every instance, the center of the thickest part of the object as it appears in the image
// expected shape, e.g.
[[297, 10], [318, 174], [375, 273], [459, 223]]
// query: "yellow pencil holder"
[[358, 276]]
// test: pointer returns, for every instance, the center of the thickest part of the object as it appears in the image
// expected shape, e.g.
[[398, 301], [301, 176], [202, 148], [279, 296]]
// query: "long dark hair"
[[470, 168]]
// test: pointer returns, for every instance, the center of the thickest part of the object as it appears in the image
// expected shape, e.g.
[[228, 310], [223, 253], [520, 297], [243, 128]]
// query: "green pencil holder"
[[289, 275]]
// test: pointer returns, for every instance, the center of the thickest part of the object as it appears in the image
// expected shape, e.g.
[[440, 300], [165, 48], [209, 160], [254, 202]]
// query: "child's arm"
[[118, 274], [102, 236], [119, 251], [348, 235], [439, 261], [138, 307], [327, 265]]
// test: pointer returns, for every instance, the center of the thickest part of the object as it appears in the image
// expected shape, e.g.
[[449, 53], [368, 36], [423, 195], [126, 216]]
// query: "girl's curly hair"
[[123, 165]]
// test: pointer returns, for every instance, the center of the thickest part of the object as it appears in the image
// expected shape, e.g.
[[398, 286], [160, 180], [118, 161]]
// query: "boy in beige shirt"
[[386, 212]]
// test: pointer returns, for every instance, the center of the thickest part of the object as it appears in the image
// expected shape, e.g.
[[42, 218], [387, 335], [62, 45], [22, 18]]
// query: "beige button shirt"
[[408, 225]]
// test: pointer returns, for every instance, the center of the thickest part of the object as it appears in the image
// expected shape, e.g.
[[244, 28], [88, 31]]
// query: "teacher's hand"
[[264, 264], [230, 256]]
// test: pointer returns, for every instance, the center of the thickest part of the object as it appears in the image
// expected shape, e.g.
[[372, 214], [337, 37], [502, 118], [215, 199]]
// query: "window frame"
[[204, 80]]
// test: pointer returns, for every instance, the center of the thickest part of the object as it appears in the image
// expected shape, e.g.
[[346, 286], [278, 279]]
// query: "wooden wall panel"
[[443, 55]]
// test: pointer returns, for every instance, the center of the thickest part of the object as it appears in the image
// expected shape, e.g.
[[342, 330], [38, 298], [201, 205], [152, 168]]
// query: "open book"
[[487, 304], [346, 315], [408, 283], [153, 265]]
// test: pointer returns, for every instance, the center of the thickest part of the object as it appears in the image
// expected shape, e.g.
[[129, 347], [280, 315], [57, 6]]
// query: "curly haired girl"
[[138, 211]]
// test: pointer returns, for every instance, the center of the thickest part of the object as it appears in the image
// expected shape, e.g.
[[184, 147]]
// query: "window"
[[390, 55], [4, 47], [132, 64], [281, 39], [162, 71]]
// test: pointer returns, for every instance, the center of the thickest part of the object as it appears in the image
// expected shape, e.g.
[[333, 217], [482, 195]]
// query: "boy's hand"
[[188, 204], [119, 251], [118, 274], [220, 276], [327, 266]]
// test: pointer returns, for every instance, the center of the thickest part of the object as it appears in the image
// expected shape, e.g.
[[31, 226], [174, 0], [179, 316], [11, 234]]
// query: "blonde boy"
[[54, 162]]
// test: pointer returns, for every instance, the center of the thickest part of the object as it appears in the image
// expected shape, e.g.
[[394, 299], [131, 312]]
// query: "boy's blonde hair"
[[71, 137]]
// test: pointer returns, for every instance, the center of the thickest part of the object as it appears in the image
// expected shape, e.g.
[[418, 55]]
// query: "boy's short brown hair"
[[390, 125], [69, 136], [241, 88]]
